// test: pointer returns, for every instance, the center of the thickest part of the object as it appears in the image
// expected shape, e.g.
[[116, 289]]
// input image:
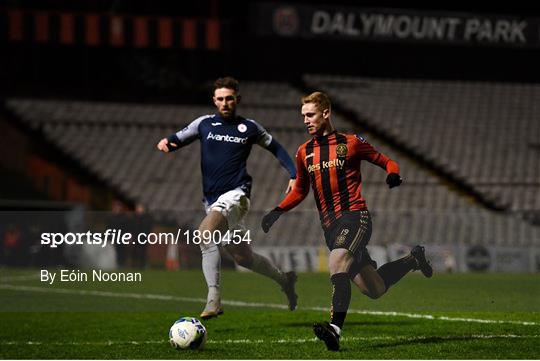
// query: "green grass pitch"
[[451, 316]]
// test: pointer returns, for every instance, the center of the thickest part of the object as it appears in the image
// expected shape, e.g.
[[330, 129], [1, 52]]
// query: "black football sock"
[[341, 298], [392, 272]]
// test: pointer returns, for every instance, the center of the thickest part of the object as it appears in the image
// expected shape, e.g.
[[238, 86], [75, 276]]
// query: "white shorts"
[[234, 205]]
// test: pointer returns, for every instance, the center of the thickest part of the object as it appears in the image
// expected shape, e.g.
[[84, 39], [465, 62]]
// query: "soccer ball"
[[187, 333]]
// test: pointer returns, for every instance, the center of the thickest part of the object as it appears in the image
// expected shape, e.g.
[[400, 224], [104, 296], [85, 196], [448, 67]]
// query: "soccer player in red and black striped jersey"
[[330, 163]]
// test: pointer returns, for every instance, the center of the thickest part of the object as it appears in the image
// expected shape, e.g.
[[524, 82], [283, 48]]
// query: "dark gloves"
[[269, 219], [393, 180], [172, 143]]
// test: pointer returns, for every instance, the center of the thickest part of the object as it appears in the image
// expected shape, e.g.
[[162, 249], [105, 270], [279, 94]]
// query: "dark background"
[[178, 75]]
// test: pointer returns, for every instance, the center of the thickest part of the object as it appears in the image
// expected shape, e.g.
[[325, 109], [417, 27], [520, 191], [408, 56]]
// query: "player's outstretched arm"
[[369, 153], [293, 198], [182, 138], [281, 154], [393, 179], [299, 190]]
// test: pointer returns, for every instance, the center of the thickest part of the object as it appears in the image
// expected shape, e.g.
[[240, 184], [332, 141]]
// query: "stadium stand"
[[116, 143]]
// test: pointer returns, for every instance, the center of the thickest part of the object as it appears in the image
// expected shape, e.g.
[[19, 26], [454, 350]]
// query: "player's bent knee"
[[340, 263], [243, 260], [376, 292], [242, 256], [338, 268]]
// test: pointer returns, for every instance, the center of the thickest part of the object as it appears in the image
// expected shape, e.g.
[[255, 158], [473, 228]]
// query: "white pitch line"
[[149, 296], [260, 341], [34, 277]]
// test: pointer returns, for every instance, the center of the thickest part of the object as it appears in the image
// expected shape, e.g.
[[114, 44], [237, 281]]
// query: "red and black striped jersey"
[[331, 164]]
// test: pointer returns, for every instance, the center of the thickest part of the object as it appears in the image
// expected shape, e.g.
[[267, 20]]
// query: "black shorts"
[[352, 232]]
